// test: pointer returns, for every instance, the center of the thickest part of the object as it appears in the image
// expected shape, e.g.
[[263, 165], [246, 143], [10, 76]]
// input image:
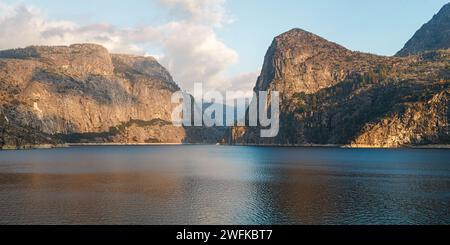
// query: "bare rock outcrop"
[[81, 93], [334, 96]]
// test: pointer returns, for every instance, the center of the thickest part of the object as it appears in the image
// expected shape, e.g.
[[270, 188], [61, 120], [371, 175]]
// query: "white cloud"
[[188, 44], [244, 82], [22, 26], [210, 12], [192, 52]]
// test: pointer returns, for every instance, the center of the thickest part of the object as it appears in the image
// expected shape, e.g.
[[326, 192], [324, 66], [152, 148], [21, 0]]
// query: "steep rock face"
[[330, 95], [300, 61], [421, 122], [433, 35], [81, 93]]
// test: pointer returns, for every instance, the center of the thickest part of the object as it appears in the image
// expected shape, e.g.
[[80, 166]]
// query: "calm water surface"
[[224, 185]]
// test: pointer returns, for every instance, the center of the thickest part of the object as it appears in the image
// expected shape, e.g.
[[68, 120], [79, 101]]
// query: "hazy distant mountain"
[[226, 108], [433, 35]]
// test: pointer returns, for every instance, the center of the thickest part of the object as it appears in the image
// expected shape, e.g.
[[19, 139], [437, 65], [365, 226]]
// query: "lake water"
[[224, 185]]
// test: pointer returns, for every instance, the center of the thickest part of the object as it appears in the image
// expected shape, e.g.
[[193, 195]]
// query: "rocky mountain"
[[433, 35], [331, 95], [81, 94]]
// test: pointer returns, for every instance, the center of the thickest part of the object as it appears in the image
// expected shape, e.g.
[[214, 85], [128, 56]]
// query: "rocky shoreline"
[[431, 146], [32, 147], [68, 145]]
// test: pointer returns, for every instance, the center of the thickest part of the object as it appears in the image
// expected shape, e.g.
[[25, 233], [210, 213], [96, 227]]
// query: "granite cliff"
[[329, 95], [83, 94], [333, 96]]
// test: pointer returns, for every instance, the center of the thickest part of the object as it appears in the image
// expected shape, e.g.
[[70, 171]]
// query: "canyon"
[[329, 95]]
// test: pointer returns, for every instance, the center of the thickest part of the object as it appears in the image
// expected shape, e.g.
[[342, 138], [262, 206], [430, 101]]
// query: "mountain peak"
[[296, 31], [298, 52], [301, 38], [433, 35]]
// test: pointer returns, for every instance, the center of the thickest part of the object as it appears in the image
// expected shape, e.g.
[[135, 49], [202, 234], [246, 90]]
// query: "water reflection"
[[224, 185]]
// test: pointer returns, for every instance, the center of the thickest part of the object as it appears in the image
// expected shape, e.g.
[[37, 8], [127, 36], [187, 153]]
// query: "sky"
[[220, 43]]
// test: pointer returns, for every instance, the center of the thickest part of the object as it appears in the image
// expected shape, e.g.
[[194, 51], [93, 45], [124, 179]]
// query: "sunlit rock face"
[[301, 61], [81, 93], [331, 95]]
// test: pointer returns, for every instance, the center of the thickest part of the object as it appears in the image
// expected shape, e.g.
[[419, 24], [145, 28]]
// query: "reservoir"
[[197, 184]]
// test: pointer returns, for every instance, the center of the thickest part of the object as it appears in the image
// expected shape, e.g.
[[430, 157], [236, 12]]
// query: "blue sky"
[[246, 27], [380, 27]]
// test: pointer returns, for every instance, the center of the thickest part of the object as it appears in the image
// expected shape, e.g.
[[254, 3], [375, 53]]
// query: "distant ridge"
[[433, 35]]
